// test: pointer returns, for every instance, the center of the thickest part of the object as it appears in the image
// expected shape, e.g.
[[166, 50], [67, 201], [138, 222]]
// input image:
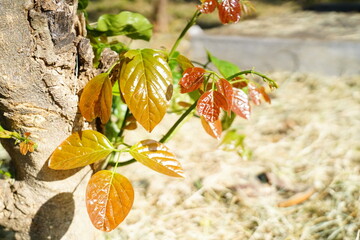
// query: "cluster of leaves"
[[141, 84], [26, 145], [229, 10]]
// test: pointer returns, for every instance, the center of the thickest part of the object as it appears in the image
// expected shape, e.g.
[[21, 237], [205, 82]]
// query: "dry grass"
[[309, 137]]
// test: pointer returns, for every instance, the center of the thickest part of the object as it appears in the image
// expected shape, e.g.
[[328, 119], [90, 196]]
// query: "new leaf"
[[209, 105], [157, 156], [214, 129], [146, 85], [109, 198], [96, 99], [229, 11], [80, 149], [240, 104], [192, 79]]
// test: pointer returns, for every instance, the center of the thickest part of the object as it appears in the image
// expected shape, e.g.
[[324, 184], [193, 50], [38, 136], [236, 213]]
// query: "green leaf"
[[232, 141], [146, 85], [80, 149], [83, 4], [157, 156], [132, 25], [4, 133], [109, 198], [225, 68]]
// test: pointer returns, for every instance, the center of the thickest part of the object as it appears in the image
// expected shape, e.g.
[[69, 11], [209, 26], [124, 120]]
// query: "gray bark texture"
[[42, 64]]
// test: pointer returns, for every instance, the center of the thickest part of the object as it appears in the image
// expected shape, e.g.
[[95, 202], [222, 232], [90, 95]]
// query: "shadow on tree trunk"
[[53, 218]]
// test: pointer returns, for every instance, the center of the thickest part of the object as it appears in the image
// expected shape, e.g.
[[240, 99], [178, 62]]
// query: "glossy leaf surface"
[[109, 198], [132, 25], [209, 105], [158, 157], [226, 68], [80, 149], [225, 88], [146, 85], [207, 6], [214, 129], [240, 106], [96, 99], [229, 11], [192, 79]]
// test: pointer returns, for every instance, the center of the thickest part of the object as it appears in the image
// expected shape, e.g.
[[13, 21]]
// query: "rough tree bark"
[[41, 46]]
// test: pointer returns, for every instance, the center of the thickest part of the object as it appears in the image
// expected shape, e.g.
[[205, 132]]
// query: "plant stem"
[[271, 82], [167, 136], [184, 31]]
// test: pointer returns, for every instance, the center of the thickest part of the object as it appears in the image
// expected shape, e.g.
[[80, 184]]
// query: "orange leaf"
[[146, 85], [24, 148], [209, 105], [80, 149], [241, 106], [96, 98], [158, 157], [265, 95], [225, 88], [109, 198], [192, 79], [229, 11], [214, 129], [207, 6]]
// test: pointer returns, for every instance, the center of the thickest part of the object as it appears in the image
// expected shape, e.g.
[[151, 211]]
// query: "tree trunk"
[[161, 16], [39, 85]]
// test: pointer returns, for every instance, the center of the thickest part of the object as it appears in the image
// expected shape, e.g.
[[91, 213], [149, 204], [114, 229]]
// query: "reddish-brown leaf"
[[209, 105], [96, 98], [229, 11], [254, 94], [207, 6], [109, 198], [158, 157], [214, 129], [192, 79], [225, 88], [241, 106]]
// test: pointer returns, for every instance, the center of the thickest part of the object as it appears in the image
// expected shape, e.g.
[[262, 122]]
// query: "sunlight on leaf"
[[229, 11], [158, 157], [214, 129], [209, 105], [192, 79], [132, 25], [96, 99], [225, 88], [109, 198], [146, 85], [80, 149], [207, 6], [241, 106]]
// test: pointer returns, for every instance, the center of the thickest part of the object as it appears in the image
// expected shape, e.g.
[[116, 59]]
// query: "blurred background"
[[296, 174]]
